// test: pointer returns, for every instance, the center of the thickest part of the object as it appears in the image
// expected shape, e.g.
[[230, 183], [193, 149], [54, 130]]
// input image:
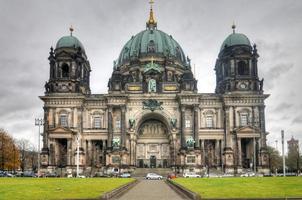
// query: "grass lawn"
[[250, 187], [57, 188]]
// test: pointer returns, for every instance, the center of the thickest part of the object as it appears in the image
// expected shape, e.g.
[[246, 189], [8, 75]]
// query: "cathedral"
[[153, 115]]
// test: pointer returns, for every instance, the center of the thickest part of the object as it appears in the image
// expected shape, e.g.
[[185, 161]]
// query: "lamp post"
[[78, 155], [39, 122], [283, 155]]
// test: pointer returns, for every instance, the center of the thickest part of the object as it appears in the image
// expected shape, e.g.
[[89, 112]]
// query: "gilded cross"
[[151, 2]]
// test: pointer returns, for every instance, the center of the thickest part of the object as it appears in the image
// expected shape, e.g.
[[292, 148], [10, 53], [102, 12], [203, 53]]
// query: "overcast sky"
[[29, 28]]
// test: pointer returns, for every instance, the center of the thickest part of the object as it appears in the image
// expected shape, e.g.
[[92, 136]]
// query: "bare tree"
[[25, 149]]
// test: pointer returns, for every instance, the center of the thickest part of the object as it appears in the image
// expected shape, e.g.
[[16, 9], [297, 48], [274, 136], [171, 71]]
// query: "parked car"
[[6, 174], [51, 174], [213, 175], [228, 175], [125, 175], [171, 176], [153, 176], [248, 174], [191, 175], [29, 174], [81, 176]]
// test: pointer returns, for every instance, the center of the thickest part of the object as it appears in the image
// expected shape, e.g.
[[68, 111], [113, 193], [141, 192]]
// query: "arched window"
[[209, 121], [243, 68], [244, 119], [97, 122], [64, 120], [65, 71], [151, 47], [209, 118], [225, 70]]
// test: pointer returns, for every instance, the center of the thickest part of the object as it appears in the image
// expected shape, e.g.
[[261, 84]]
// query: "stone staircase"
[[142, 172]]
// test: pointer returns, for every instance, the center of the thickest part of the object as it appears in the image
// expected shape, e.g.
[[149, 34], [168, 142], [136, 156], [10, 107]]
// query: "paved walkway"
[[151, 190]]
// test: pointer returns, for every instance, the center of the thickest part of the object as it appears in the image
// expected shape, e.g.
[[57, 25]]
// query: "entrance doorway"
[[152, 161]]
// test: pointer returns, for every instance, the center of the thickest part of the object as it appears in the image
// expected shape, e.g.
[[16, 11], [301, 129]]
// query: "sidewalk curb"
[[118, 191], [180, 189]]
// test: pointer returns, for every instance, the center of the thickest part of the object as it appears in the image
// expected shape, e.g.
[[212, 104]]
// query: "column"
[[110, 127], [239, 152], [69, 151], [203, 153], [217, 152], [218, 118], [123, 125], [227, 138], [45, 128], [75, 118], [56, 117], [104, 152], [253, 116], [196, 126], [183, 124], [254, 154], [262, 125], [221, 153]]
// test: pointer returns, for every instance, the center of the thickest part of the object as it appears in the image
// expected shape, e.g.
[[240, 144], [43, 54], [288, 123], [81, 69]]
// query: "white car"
[[153, 176], [248, 174], [191, 175]]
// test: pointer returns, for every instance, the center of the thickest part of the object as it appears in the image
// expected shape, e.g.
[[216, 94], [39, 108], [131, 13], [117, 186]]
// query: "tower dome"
[[235, 39], [69, 41]]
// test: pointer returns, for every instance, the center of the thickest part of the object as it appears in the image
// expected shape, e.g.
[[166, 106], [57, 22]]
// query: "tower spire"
[[233, 27], [151, 23]]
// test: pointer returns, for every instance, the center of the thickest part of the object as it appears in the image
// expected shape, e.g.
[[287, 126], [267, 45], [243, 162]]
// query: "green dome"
[[235, 39], [140, 44], [69, 41]]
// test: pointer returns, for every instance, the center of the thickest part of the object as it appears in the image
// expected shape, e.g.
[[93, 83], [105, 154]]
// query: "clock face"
[[243, 86]]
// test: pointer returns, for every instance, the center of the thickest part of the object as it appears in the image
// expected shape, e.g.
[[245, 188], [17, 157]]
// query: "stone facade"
[[152, 115]]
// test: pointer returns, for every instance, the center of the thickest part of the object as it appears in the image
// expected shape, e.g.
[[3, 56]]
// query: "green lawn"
[[251, 187], [57, 188]]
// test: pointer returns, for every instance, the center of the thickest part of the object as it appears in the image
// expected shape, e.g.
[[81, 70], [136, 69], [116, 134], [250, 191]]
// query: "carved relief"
[[153, 128]]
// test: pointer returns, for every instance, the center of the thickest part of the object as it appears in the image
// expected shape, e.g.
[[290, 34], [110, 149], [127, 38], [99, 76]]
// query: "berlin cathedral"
[[153, 115]]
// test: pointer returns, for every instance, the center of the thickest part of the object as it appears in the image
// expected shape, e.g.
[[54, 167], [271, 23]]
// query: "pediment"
[[60, 130], [247, 129]]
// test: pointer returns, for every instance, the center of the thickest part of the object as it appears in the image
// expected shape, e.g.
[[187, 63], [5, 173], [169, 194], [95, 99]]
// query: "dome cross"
[[233, 27], [71, 30]]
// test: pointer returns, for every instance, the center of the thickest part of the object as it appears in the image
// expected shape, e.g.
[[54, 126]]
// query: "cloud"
[[282, 107], [297, 120], [272, 74]]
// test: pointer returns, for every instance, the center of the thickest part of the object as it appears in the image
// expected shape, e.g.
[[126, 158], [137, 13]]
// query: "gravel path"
[[151, 190]]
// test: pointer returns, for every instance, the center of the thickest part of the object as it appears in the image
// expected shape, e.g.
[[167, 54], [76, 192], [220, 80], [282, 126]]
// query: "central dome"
[[151, 41]]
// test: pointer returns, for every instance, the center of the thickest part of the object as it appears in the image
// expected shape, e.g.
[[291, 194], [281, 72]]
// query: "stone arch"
[[161, 116]]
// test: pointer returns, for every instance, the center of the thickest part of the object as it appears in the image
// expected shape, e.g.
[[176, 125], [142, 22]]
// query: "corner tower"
[[236, 66], [69, 67]]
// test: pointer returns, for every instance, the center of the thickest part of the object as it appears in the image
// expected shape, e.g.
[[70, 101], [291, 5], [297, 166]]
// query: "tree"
[[26, 150], [275, 159], [293, 156], [9, 153]]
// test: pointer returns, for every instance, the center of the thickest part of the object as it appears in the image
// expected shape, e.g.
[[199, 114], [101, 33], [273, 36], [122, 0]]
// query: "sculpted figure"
[[152, 85]]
